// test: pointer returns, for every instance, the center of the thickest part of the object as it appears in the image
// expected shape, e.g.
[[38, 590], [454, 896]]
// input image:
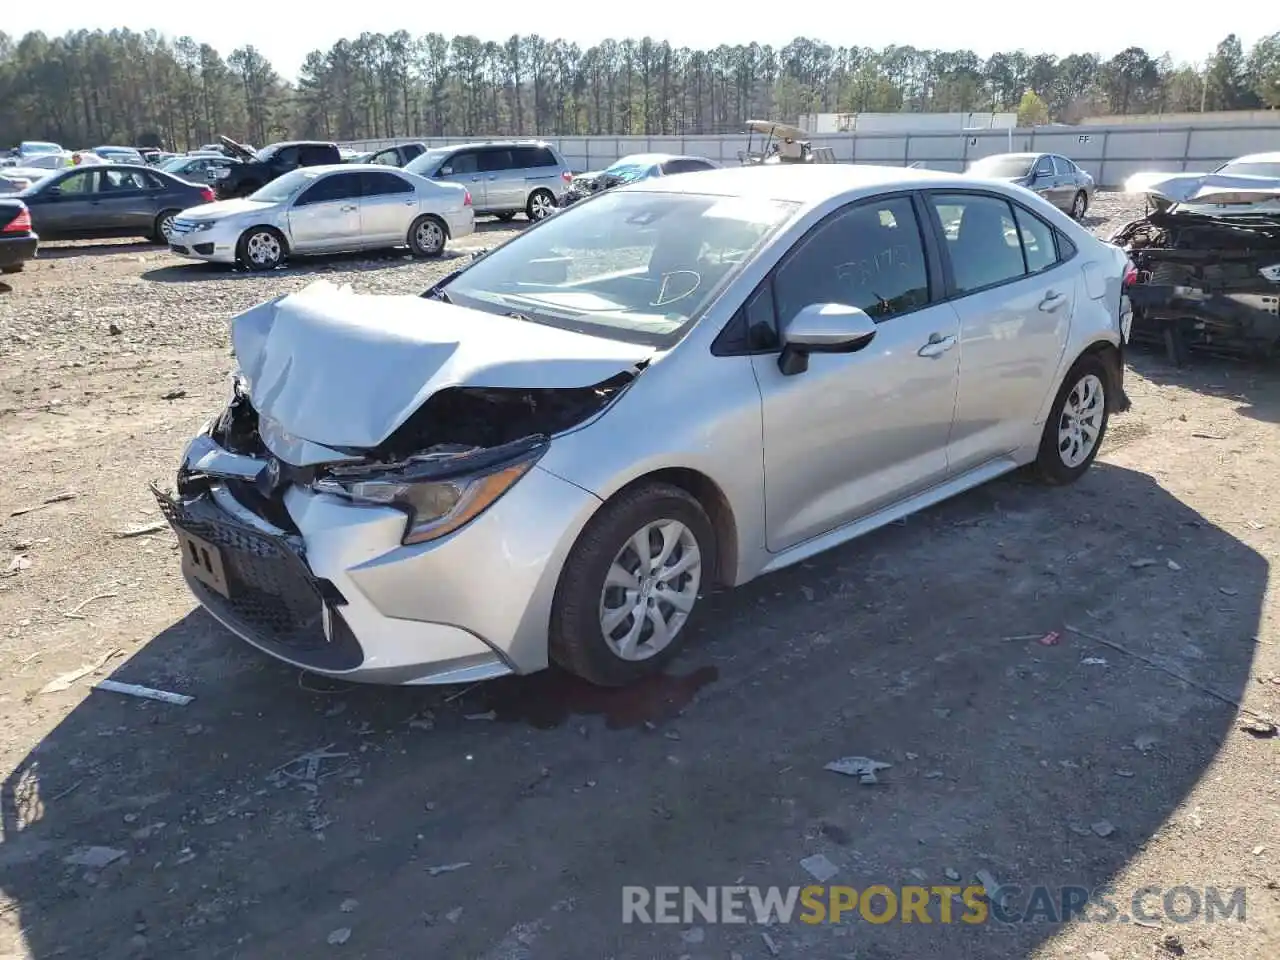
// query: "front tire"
[[541, 205], [1076, 425], [427, 237], [261, 248], [630, 584], [505, 217], [13, 268]]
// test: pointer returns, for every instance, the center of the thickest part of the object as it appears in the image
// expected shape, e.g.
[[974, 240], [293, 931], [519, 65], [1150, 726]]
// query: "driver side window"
[[79, 184], [342, 186], [1044, 167], [869, 256]]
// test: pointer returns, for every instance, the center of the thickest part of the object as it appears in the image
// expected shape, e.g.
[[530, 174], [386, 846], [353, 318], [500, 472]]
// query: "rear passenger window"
[[1037, 241], [981, 240], [494, 160], [869, 256], [383, 184], [524, 157]]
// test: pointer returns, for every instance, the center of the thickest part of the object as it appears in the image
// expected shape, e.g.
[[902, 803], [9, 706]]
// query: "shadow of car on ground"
[[446, 822]]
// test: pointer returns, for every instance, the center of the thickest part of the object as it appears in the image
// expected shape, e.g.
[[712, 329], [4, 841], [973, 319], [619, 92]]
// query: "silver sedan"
[[327, 209], [1054, 177], [473, 482]]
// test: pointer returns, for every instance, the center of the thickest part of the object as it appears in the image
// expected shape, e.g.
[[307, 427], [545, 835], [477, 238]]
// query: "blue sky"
[[286, 33]]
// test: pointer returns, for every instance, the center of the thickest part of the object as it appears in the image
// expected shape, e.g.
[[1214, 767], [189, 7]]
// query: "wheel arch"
[[712, 499]]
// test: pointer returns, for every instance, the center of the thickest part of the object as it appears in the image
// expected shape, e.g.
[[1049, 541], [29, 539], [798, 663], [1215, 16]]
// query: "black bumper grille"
[[274, 598]]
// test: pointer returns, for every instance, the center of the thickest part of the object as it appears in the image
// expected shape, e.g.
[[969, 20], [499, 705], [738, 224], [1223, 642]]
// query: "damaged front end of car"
[[275, 506], [1207, 271]]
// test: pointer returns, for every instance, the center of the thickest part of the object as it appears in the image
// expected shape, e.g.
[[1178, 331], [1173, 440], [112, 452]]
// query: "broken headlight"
[[437, 499]]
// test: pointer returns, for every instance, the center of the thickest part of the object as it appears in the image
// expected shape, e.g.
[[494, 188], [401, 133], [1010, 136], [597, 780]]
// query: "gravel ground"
[[1072, 763]]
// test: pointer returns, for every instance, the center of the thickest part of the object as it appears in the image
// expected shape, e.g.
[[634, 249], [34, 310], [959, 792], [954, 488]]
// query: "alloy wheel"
[[1081, 421], [650, 590]]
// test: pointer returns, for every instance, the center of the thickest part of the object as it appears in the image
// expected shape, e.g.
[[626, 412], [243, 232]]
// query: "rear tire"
[[164, 221], [619, 616], [427, 237], [540, 206], [13, 268], [1079, 204], [261, 248], [1076, 425]]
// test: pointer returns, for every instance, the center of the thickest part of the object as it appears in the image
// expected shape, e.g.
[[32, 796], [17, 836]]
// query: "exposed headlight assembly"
[[440, 492]]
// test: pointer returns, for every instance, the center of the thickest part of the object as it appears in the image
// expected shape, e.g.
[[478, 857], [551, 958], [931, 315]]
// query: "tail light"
[[566, 176], [1130, 275], [466, 199], [19, 224], [207, 194]]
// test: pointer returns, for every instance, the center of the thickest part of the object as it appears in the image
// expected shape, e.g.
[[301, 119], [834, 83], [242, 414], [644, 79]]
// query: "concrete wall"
[[1111, 154]]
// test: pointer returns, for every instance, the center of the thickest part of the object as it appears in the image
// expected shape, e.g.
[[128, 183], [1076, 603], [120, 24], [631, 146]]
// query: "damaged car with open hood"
[[1207, 259], [555, 451]]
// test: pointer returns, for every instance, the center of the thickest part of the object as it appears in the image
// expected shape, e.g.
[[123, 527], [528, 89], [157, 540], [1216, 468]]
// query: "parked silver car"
[[505, 177], [326, 209], [1054, 177], [679, 384], [200, 168]]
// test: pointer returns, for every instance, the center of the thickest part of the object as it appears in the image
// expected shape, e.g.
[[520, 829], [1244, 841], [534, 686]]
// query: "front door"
[[326, 215], [464, 168], [1015, 295], [856, 432], [67, 207], [388, 205]]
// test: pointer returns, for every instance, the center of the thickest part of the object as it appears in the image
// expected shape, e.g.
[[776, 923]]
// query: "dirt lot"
[[1074, 763]]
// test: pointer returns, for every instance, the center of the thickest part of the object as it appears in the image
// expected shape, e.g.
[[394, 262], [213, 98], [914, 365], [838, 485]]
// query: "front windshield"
[[640, 267], [425, 164], [283, 188], [1252, 170], [1012, 167]]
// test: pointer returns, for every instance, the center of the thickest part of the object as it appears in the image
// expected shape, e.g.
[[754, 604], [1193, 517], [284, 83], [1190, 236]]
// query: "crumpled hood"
[[344, 370], [224, 208], [1204, 187]]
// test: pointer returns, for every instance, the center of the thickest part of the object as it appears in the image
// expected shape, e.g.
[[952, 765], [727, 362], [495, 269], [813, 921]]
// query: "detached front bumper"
[[327, 585]]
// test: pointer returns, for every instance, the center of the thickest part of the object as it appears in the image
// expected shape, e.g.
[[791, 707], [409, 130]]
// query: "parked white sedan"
[[328, 209]]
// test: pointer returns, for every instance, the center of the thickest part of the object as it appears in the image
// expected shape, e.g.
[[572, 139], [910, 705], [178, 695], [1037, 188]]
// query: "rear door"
[[1015, 295], [464, 168], [326, 215], [127, 200], [540, 169], [504, 187], [388, 204]]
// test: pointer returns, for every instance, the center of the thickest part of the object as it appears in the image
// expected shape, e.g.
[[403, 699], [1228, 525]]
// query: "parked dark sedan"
[[17, 240], [110, 200], [1054, 177]]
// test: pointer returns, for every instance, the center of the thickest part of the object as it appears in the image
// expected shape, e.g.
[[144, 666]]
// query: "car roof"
[[1273, 157], [327, 168], [490, 143], [649, 158], [1019, 156], [300, 143], [107, 146], [803, 183]]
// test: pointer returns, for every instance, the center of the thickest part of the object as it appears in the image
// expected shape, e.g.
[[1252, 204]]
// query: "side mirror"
[[823, 328], [53, 191]]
